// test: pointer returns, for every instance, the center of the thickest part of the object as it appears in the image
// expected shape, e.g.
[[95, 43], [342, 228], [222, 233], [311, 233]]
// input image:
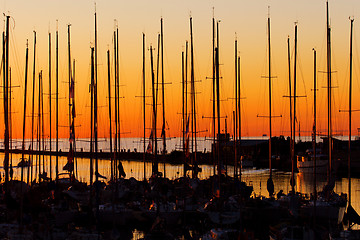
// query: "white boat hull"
[[308, 166]]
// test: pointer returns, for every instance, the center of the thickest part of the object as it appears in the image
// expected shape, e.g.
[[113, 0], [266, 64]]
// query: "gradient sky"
[[248, 19]]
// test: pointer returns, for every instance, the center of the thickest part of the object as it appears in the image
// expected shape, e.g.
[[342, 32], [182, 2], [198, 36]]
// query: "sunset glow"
[[245, 21]]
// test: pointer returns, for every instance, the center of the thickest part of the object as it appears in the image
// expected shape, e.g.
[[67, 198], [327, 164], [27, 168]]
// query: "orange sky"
[[247, 18]]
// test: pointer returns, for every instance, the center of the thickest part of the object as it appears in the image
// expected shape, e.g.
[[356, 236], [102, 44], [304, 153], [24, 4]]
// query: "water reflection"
[[256, 178]]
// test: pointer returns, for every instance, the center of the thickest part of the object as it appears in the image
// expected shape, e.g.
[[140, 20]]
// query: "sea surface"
[[134, 168]]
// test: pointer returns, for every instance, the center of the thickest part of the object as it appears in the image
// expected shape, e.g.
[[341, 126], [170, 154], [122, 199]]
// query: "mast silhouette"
[[183, 111], [110, 118], [57, 103], [143, 96], [155, 162], [71, 157], [314, 139], [270, 183], [213, 95], [218, 111], [235, 113], [290, 105], [294, 117], [118, 95], [6, 104], [50, 119], [39, 125], [329, 90], [350, 110], [163, 133], [23, 139], [116, 106], [193, 103], [92, 120], [32, 115], [239, 115]]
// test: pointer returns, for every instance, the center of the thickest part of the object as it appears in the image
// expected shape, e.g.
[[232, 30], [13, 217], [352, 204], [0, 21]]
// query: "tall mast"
[[163, 95], [42, 123], [314, 137], [144, 112], [23, 140], [39, 125], [92, 118], [236, 112], [186, 105], [6, 104], [69, 82], [239, 114], [294, 117], [270, 183], [50, 104], [213, 94], [329, 89], [73, 115], [118, 90], [155, 163], [290, 101], [10, 117], [33, 114], [110, 118], [57, 103], [193, 99], [350, 110], [218, 109], [96, 126], [183, 111], [270, 117], [116, 106]]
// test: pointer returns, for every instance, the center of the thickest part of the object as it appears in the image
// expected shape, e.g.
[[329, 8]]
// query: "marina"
[[78, 164]]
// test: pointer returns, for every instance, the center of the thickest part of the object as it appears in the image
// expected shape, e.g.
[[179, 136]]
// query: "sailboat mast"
[[294, 117], [314, 138], [96, 115], [329, 89], [118, 91], [73, 115], [69, 75], [116, 106], [6, 104], [155, 163], [32, 115], [23, 140], [239, 115], [236, 113], [183, 111], [110, 118], [50, 119], [57, 103], [144, 112], [24, 113], [42, 123], [213, 95], [350, 110], [39, 125], [92, 118], [290, 103], [193, 107], [270, 117], [218, 109], [10, 116], [163, 133]]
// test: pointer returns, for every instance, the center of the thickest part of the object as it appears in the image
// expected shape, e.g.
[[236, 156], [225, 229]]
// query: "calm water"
[[256, 178], [133, 168]]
